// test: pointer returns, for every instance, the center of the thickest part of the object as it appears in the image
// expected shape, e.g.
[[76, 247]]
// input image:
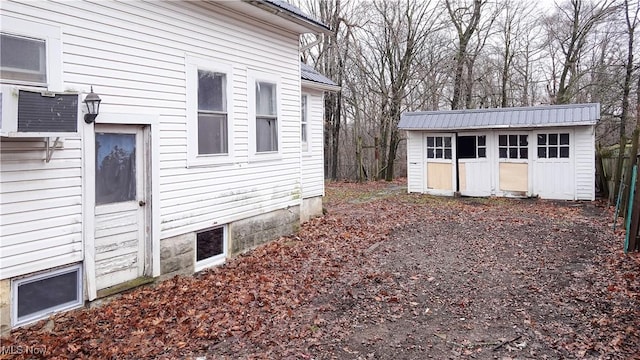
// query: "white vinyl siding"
[[416, 160], [41, 209], [313, 159], [585, 153], [134, 55]]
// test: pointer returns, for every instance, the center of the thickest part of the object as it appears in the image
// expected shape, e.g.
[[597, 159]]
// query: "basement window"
[[38, 296], [210, 247], [472, 147]]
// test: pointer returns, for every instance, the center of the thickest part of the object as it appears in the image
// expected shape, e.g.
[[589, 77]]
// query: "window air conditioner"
[[31, 113]]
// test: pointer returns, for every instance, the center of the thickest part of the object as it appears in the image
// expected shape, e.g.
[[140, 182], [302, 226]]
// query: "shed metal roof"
[[516, 117], [310, 74]]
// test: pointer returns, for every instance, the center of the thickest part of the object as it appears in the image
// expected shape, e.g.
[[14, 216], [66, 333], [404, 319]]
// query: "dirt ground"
[[486, 279], [386, 275]]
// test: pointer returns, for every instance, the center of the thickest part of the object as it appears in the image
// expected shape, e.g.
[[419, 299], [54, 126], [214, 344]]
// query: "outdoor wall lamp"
[[92, 100]]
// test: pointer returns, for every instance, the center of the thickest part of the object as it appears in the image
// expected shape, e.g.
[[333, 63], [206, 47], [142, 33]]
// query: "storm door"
[[119, 204]]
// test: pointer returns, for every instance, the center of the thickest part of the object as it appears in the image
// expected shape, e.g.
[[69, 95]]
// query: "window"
[[472, 147], [30, 54], [513, 146], [23, 59], [266, 117], [304, 125], [210, 247], [209, 112], [38, 296], [212, 113], [439, 147], [115, 168], [553, 145]]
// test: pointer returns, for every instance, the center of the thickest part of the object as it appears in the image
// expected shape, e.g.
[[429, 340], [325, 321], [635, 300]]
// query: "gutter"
[[502, 127], [290, 16], [320, 86]]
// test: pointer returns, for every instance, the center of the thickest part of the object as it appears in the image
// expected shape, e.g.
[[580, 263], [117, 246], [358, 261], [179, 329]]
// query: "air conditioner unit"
[[26, 112]]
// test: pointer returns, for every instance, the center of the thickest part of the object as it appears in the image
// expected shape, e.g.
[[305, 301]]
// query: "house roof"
[[290, 12], [311, 77], [516, 117]]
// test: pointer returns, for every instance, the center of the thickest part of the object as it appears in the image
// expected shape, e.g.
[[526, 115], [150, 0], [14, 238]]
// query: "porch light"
[[92, 100]]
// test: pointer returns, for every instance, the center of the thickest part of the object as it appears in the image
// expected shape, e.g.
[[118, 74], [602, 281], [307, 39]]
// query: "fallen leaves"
[[400, 268]]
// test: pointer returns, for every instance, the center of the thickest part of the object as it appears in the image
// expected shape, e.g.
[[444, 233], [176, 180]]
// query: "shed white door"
[[513, 164], [119, 204], [474, 170], [553, 171], [440, 171]]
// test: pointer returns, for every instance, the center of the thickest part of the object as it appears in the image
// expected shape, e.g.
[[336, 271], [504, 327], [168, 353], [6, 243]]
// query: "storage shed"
[[545, 151]]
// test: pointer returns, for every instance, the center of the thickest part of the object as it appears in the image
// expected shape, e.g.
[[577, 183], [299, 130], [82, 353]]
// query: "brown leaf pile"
[[304, 295]]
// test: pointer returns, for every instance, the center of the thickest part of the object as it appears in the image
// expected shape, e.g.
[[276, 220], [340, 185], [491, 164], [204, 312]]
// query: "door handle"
[[142, 203]]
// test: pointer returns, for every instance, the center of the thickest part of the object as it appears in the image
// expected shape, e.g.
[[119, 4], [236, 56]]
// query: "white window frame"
[[193, 64], [518, 159], [305, 144], [214, 260], [253, 78], [44, 313], [557, 146], [441, 147], [52, 36]]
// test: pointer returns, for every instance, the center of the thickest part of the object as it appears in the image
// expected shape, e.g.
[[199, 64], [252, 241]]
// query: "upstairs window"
[[23, 59], [266, 117], [553, 145], [513, 146], [304, 124], [439, 147], [212, 113]]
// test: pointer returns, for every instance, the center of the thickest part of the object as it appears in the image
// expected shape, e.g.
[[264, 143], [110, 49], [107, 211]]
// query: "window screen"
[[23, 59], [303, 122], [266, 117], [212, 113], [209, 243], [44, 294]]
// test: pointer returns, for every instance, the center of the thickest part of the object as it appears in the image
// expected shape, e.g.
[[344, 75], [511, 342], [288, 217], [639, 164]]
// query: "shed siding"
[[416, 161], [133, 53], [585, 163], [313, 161]]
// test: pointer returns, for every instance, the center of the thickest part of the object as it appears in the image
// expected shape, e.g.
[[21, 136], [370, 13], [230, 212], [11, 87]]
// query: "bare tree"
[[569, 29]]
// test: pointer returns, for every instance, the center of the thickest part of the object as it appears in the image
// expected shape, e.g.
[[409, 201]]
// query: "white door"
[[474, 171], [439, 170], [553, 169], [512, 172], [120, 178]]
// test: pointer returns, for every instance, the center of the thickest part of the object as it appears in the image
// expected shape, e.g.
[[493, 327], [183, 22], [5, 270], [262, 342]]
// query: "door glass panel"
[[115, 168]]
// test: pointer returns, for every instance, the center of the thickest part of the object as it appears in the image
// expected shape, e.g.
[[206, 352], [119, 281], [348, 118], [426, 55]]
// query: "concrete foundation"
[[177, 255], [246, 234], [310, 208], [5, 307]]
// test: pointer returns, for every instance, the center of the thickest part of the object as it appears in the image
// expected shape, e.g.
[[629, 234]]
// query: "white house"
[[208, 142], [545, 151]]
